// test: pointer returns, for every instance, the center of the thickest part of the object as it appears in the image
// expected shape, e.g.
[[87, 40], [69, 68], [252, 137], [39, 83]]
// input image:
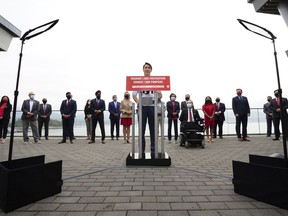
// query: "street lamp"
[[36, 31], [269, 35]]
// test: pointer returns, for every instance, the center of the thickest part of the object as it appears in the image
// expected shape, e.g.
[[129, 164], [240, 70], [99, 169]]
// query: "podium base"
[[148, 159]]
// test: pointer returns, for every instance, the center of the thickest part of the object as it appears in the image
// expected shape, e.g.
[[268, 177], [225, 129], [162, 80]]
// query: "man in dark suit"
[[45, 111], [68, 111], [219, 117], [275, 107], [189, 114], [173, 110], [114, 110], [184, 103], [30, 110], [98, 107], [241, 110], [268, 111]]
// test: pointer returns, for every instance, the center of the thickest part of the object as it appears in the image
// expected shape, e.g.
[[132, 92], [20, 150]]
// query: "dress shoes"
[[275, 139], [91, 142], [245, 139], [62, 141], [103, 142]]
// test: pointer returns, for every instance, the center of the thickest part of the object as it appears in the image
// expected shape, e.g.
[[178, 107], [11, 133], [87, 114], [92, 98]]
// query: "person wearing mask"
[[173, 110], [209, 110], [126, 118], [68, 111], [147, 110], [45, 111], [275, 107], [98, 107], [267, 110], [219, 117], [184, 103], [5, 111], [30, 109], [88, 112], [189, 115], [114, 110], [241, 110], [160, 104]]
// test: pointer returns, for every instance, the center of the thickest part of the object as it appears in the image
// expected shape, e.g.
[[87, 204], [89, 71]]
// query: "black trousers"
[[4, 128], [45, 122], [218, 124], [114, 122], [68, 127], [243, 119], [269, 126], [175, 122], [95, 120]]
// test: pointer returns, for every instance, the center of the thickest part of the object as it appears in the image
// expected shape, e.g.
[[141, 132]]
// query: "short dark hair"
[[98, 91], [146, 63], [68, 93], [172, 95]]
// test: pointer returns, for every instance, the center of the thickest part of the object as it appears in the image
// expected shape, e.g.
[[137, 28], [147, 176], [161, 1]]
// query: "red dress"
[[209, 109]]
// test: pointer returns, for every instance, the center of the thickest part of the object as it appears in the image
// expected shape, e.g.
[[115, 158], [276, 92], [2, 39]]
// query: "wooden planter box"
[[263, 178], [28, 180]]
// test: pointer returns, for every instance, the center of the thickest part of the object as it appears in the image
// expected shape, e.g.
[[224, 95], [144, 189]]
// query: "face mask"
[[44, 101], [269, 100], [173, 98], [32, 97], [68, 97], [189, 105], [208, 101], [187, 98], [217, 100], [5, 100], [98, 97], [126, 96], [239, 93], [276, 95]]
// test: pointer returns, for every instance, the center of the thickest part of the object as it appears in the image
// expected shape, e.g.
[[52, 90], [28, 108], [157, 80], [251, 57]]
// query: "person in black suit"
[[98, 107], [45, 111], [275, 107], [68, 111], [241, 110], [267, 110], [114, 110], [5, 111], [184, 103], [187, 116], [219, 117], [173, 110], [30, 109]]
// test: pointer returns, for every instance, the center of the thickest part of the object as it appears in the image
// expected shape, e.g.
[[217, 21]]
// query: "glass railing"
[[256, 123]]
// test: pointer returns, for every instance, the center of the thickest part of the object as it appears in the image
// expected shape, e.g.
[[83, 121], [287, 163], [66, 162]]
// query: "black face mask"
[[217, 100], [98, 97], [187, 98], [127, 96], [44, 101], [68, 97], [269, 100], [276, 95]]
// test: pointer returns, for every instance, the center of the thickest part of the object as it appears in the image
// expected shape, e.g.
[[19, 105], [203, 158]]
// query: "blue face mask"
[[189, 105]]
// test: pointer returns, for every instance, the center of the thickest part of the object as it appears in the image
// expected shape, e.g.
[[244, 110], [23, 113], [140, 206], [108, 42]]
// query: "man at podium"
[[147, 101]]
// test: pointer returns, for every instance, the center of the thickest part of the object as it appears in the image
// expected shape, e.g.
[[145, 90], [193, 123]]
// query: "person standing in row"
[[98, 107], [173, 110], [209, 110], [45, 111], [68, 111], [30, 110], [114, 110], [219, 117], [268, 111], [241, 110], [126, 118], [184, 103], [88, 112], [275, 107], [5, 111]]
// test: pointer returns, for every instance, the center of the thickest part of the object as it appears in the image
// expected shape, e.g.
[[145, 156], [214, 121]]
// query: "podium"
[[140, 84]]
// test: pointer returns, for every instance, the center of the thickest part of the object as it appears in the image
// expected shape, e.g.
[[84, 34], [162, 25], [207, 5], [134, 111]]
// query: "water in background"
[[256, 124]]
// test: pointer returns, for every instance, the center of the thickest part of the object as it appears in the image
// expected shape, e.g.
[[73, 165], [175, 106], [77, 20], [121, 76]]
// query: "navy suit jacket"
[[98, 106], [240, 106], [113, 110], [26, 108], [70, 109], [221, 108], [169, 108]]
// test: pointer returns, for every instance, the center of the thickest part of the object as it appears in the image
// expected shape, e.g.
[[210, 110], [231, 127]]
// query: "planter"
[[263, 178], [28, 180]]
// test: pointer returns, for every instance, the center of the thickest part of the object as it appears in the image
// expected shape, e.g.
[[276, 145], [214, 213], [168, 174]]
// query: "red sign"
[[147, 83]]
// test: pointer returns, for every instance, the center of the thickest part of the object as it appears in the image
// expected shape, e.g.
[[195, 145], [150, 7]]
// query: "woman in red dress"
[[208, 110]]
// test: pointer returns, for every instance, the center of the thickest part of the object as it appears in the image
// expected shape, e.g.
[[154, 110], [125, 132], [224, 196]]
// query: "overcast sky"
[[96, 44]]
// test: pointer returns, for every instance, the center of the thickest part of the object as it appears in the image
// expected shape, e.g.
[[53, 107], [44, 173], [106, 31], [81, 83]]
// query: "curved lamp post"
[[28, 35]]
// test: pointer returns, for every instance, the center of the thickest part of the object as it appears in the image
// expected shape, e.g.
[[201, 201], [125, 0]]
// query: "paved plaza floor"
[[96, 180]]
